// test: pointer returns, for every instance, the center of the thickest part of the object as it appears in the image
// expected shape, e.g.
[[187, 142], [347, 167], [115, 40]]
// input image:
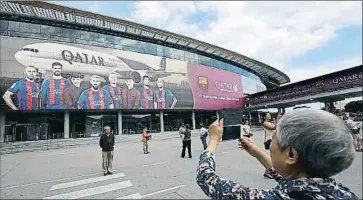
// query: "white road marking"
[[132, 196], [50, 181], [161, 191], [92, 191], [221, 153], [148, 165], [85, 181]]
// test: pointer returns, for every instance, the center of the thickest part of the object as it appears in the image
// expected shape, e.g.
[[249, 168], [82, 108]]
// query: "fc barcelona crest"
[[203, 82], [320, 84]]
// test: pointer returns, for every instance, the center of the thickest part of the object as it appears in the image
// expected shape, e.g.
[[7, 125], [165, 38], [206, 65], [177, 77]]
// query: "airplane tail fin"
[[162, 65]]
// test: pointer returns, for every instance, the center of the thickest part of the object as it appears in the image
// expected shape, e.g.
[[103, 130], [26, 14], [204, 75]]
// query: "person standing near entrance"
[[203, 135], [181, 131], [187, 143], [145, 138], [246, 130], [107, 143]]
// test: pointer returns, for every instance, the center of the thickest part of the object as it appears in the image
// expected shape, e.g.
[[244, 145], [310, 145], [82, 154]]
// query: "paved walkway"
[[76, 173]]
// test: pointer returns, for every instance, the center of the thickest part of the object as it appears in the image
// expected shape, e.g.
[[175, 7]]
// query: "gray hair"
[[322, 140]]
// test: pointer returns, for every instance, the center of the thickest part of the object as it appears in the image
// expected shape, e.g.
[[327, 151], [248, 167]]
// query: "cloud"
[[271, 32], [162, 13], [94, 7]]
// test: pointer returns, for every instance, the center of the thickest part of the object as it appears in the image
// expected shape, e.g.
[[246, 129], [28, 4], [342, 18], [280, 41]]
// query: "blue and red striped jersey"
[[164, 98], [115, 93], [147, 98], [95, 99], [52, 93], [27, 93]]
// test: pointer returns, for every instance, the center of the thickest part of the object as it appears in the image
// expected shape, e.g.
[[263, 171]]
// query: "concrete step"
[[42, 145]]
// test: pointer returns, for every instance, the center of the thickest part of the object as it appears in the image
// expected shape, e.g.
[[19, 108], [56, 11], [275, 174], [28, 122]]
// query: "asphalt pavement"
[[162, 174]]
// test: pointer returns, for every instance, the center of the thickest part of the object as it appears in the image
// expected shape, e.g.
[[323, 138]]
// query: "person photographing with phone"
[[308, 147], [269, 125]]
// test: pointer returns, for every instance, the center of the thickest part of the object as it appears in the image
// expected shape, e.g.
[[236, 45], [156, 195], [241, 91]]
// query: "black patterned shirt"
[[303, 188]]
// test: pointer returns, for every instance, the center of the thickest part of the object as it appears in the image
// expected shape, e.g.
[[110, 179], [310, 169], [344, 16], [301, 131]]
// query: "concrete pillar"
[[217, 114], [66, 124], [161, 115], [2, 126], [249, 118], [329, 106], [73, 129], [193, 119], [119, 122]]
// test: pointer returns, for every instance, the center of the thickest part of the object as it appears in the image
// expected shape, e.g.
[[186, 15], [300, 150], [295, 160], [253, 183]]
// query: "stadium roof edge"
[[266, 73]]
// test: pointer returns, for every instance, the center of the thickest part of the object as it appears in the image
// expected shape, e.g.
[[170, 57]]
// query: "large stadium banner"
[[40, 74], [214, 88]]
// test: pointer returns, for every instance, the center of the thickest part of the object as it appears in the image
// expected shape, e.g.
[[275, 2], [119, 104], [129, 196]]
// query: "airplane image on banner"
[[78, 60]]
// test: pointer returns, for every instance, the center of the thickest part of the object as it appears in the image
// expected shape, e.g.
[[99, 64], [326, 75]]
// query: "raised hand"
[[252, 148], [216, 130]]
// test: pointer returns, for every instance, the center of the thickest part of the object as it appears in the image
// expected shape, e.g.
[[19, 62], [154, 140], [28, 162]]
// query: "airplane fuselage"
[[73, 59], [79, 60]]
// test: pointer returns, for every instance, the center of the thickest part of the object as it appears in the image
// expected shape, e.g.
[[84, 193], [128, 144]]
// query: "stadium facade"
[[67, 73]]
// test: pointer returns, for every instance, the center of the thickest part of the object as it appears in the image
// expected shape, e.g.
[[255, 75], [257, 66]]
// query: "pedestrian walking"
[[145, 139], [203, 135], [107, 143], [187, 143]]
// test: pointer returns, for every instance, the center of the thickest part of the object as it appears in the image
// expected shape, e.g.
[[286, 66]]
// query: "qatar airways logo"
[[226, 87], [98, 103], [56, 91], [33, 94], [348, 78]]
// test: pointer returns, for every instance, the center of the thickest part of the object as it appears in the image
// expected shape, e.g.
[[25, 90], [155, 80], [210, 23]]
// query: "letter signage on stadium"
[[348, 80], [82, 58], [226, 87]]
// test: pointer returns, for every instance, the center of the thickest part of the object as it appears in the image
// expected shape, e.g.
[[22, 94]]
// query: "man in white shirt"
[[354, 130], [203, 133]]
